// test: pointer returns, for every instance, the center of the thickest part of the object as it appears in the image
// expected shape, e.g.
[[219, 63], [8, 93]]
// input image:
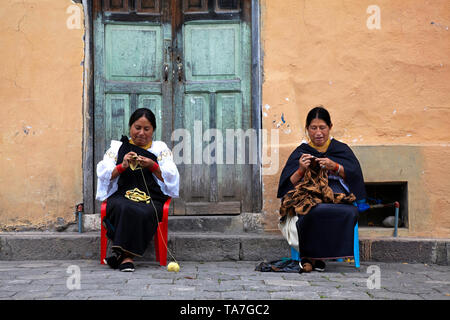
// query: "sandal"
[[305, 265], [126, 267]]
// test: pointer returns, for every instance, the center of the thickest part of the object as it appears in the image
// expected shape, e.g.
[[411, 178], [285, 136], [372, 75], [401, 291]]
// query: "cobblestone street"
[[87, 279]]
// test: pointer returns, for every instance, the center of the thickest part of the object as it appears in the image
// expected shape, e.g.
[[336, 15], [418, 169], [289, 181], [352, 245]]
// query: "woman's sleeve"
[[285, 184], [353, 174], [106, 186], [169, 172]]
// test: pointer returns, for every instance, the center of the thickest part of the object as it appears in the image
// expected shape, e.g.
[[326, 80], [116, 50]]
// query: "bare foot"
[[127, 259]]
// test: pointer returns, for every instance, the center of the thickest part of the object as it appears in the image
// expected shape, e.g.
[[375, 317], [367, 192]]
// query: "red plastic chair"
[[160, 236]]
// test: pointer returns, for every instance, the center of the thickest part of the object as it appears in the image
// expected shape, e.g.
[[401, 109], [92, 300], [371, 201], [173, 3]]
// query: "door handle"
[[180, 69], [166, 72]]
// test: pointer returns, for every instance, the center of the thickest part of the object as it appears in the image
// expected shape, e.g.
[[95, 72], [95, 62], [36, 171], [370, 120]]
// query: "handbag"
[[288, 228]]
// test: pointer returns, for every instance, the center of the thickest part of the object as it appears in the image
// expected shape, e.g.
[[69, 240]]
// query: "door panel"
[[131, 42], [196, 120], [188, 61], [212, 51], [213, 45], [117, 113], [134, 53], [132, 66], [229, 122]]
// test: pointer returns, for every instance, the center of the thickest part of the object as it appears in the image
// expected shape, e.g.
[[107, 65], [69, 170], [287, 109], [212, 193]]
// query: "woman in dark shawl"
[[326, 231], [136, 176]]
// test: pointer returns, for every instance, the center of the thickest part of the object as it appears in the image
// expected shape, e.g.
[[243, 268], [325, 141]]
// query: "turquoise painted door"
[[130, 59], [188, 61], [212, 102]]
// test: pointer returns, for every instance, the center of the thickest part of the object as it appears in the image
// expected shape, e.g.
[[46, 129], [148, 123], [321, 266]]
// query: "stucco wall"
[[383, 87], [41, 124], [387, 90]]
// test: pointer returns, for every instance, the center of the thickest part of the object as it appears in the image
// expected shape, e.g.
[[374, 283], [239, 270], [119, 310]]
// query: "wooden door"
[[189, 62], [212, 54], [132, 62]]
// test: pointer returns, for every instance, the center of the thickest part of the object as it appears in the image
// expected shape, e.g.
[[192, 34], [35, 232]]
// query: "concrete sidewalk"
[[235, 280]]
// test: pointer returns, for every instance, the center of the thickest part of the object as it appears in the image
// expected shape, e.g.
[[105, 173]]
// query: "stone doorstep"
[[209, 223], [214, 246]]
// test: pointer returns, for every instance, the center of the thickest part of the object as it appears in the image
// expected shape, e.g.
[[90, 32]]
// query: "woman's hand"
[[125, 164], [145, 162], [327, 163], [127, 158], [305, 161], [331, 166]]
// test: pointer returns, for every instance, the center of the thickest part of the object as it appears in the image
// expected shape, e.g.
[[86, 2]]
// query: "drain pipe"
[[79, 216], [397, 207]]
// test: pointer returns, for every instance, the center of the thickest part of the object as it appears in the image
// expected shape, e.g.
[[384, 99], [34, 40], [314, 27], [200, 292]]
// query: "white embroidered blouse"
[[169, 171]]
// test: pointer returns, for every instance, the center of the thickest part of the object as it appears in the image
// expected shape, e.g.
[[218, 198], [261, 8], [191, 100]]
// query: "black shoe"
[[113, 261], [126, 267], [319, 265]]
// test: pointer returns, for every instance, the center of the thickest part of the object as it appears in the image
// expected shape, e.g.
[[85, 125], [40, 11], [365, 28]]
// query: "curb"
[[214, 247], [411, 250]]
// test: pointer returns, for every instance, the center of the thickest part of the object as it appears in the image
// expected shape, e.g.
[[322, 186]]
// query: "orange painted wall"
[[41, 123], [387, 86]]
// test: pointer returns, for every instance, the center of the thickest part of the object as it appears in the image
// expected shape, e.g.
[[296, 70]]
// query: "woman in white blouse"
[[136, 176]]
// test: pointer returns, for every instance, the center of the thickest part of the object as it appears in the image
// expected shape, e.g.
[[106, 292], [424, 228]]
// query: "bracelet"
[[120, 168], [336, 167], [339, 169], [154, 167]]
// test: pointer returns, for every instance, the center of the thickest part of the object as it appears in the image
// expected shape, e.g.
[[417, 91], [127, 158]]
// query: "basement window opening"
[[381, 196]]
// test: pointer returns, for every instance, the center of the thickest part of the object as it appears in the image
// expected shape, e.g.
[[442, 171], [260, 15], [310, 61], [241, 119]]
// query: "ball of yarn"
[[173, 267]]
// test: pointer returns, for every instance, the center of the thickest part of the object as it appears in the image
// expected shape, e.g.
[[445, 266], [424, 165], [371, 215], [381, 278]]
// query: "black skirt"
[[327, 231], [131, 225]]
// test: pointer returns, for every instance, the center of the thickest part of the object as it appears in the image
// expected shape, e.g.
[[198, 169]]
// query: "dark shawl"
[[131, 179], [338, 152]]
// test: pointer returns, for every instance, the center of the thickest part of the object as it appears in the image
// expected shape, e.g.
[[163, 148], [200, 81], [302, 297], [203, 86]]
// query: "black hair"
[[143, 112], [318, 112]]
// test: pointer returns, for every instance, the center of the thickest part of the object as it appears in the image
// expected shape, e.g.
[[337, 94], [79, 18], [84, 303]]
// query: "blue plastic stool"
[[355, 247], [295, 255]]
